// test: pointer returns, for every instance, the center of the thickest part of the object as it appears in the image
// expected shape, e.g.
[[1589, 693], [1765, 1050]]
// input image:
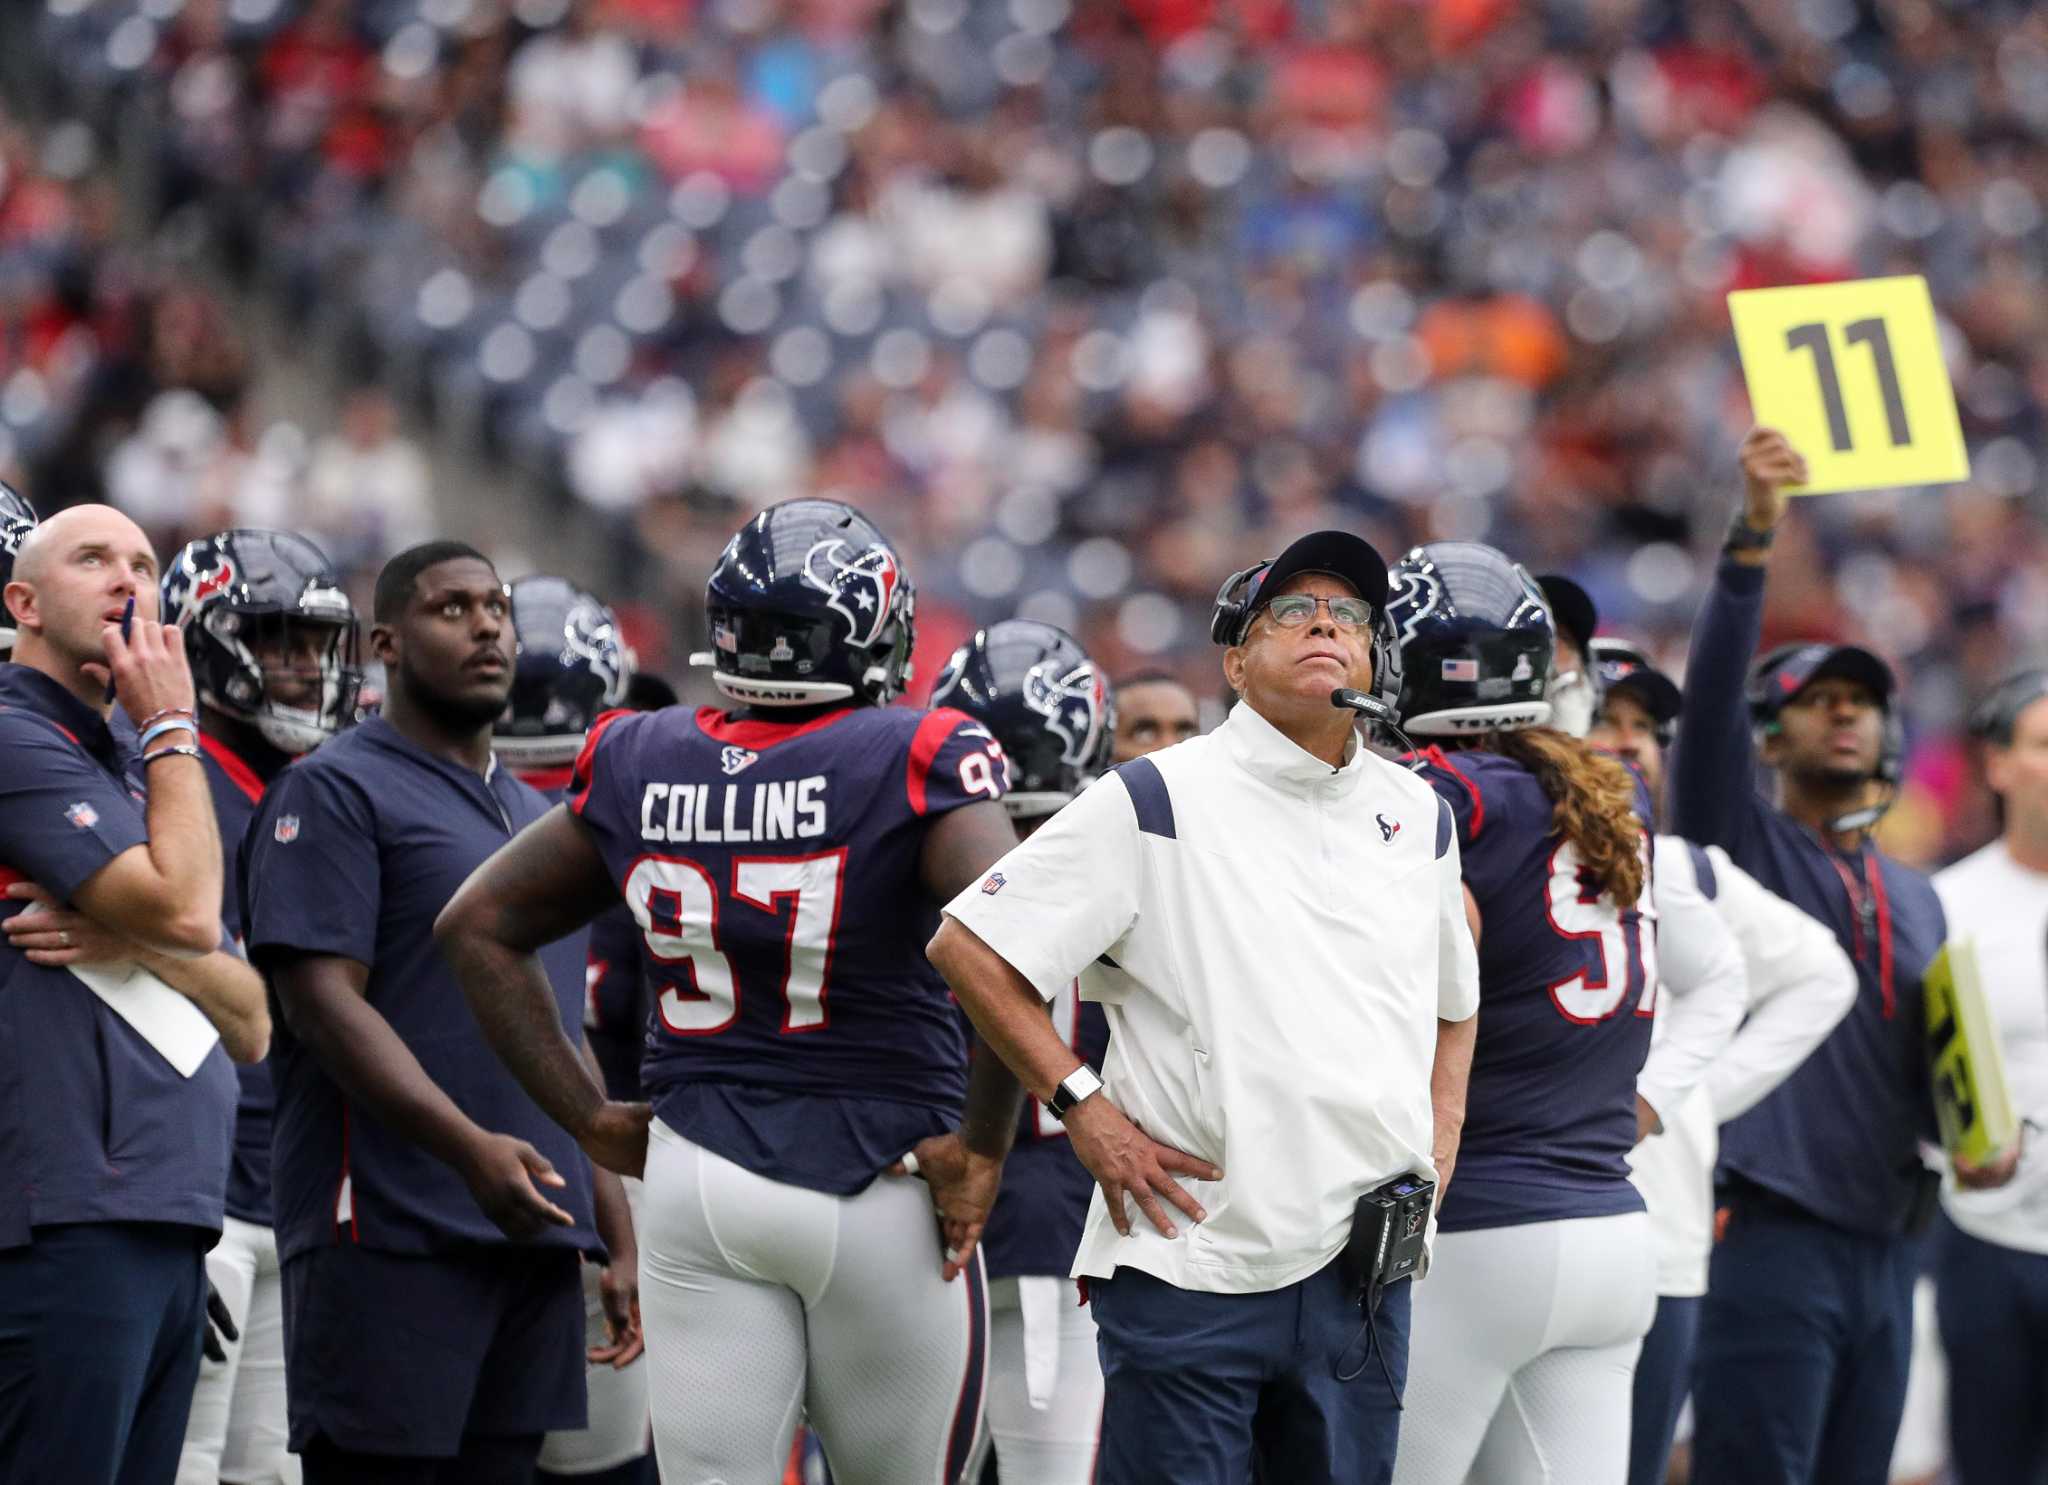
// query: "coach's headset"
[[1237, 604]]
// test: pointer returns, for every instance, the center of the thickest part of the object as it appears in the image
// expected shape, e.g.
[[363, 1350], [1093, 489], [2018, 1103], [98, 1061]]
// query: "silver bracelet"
[[175, 750]]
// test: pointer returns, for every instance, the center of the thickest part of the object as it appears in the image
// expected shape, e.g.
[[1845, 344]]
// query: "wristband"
[[175, 750], [175, 724], [1743, 537], [170, 711]]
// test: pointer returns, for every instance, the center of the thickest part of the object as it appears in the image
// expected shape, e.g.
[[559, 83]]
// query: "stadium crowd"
[[1084, 298]]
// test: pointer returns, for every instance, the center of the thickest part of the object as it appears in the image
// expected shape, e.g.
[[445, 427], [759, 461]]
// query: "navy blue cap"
[[1785, 672]]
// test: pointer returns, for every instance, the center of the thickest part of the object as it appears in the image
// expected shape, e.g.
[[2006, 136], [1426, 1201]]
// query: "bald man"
[[114, 1127]]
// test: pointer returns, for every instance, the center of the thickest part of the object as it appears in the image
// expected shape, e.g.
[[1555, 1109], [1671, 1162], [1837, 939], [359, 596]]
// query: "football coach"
[[1273, 917]]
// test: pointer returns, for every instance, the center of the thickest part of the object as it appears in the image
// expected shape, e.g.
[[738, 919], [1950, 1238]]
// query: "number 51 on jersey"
[[1853, 375]]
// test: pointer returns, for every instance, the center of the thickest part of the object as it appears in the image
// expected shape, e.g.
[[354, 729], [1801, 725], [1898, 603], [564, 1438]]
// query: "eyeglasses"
[[1292, 610]]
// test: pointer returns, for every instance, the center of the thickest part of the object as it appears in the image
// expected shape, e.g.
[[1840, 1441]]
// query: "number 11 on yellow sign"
[[1853, 375]]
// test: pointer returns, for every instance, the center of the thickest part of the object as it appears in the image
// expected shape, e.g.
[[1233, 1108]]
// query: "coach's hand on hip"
[[1126, 1161]]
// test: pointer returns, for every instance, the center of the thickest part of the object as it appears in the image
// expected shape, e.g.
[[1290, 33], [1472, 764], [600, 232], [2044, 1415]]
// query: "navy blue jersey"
[[95, 1126], [1840, 1137], [237, 790], [615, 1006], [1566, 995], [354, 851], [1043, 1203], [773, 870]]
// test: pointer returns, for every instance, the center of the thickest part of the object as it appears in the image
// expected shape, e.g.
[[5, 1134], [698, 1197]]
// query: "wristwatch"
[[1743, 537], [1079, 1084]]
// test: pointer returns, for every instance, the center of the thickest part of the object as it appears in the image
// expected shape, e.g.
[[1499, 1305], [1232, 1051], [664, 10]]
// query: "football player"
[[1036, 689], [573, 666], [785, 861], [1525, 1335], [272, 641], [17, 519]]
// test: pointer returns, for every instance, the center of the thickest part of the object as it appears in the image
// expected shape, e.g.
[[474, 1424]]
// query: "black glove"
[[220, 1325]]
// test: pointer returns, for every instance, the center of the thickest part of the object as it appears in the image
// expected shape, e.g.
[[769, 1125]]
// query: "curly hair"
[[1593, 802]]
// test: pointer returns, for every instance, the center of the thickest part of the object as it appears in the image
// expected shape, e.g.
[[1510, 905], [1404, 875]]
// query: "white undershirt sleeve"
[[1801, 985], [1703, 987]]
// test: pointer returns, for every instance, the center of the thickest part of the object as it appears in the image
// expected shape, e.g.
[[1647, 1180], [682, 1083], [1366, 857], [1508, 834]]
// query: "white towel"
[[163, 1017], [1038, 1301]]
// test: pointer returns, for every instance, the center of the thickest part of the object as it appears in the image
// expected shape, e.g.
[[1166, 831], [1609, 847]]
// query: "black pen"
[[127, 625]]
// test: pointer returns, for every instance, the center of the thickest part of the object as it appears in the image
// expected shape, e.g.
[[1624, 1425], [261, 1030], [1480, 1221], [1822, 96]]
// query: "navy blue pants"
[[100, 1330], [1663, 1378], [432, 1356], [1197, 1386], [1993, 1304], [1805, 1340]]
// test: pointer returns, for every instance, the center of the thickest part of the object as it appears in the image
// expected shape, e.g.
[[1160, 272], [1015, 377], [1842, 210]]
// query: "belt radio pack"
[[1388, 1228]]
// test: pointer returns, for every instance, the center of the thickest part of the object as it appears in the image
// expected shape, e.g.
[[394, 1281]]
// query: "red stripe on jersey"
[[240, 774], [580, 772], [752, 733], [931, 735], [1442, 760]]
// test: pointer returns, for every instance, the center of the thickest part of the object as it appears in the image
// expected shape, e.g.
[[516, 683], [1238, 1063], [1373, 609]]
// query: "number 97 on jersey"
[[1853, 375]]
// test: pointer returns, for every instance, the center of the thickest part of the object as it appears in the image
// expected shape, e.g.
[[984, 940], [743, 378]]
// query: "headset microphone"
[[1370, 707]]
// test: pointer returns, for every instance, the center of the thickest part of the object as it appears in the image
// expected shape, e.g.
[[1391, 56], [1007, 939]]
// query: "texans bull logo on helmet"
[[219, 580], [14, 531], [1074, 706], [860, 588], [590, 635]]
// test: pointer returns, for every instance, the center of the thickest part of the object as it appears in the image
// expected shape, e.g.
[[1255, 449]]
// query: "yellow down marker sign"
[[1853, 375]]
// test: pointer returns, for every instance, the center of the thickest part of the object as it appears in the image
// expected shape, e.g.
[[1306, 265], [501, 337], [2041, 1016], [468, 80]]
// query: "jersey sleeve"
[[62, 816], [600, 783], [312, 881], [1459, 788], [953, 760], [1060, 900]]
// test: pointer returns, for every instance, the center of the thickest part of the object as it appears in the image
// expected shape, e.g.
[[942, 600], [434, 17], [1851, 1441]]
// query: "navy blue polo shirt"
[[1841, 1136], [95, 1126], [237, 789], [354, 851]]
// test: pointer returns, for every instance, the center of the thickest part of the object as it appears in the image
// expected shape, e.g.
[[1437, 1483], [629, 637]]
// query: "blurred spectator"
[[367, 491]]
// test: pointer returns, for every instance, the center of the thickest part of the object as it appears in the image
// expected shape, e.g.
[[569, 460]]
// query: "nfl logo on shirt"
[[82, 815], [995, 883], [287, 829]]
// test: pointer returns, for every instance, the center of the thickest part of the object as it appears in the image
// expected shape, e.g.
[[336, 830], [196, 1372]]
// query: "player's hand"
[[618, 1288], [616, 1137], [59, 936], [505, 1176], [1769, 463], [220, 1326], [1127, 1162], [148, 669], [1994, 1172], [963, 1189]]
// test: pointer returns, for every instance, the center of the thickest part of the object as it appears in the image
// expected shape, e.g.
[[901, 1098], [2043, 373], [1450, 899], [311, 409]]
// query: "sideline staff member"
[[1808, 1325], [1153, 711], [1274, 917], [112, 1166], [429, 1216], [1991, 1255]]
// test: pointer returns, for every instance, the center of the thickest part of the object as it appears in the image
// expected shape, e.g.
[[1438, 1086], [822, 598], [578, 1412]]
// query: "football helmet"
[[573, 665], [1043, 699], [809, 603], [17, 519], [1476, 641], [245, 594]]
